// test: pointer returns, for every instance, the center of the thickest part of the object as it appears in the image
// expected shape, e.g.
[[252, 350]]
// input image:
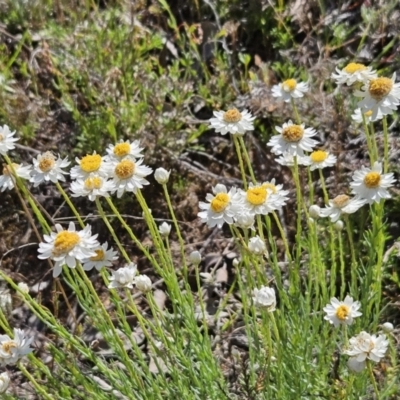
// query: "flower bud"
[[164, 229], [143, 283], [257, 246], [387, 327], [161, 176], [23, 287], [195, 257], [314, 211], [338, 225]]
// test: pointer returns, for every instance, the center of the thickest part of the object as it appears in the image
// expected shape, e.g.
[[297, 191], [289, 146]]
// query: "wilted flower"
[[7, 139], [7, 179], [342, 204], [290, 89], [143, 283], [342, 312], [353, 72], [232, 121], [257, 246], [161, 176], [11, 350], [46, 167], [164, 229], [103, 258], [123, 277], [68, 246], [265, 298]]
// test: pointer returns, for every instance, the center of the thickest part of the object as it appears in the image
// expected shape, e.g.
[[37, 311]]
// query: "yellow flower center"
[[46, 162], [341, 200], [125, 169], [293, 133], [289, 85], [232, 116], [122, 149], [256, 195], [354, 67], [372, 180], [93, 183], [7, 346], [219, 202], [343, 312], [318, 156], [7, 169], [270, 186], [99, 255], [380, 87], [368, 113], [91, 163], [1, 137], [65, 241]]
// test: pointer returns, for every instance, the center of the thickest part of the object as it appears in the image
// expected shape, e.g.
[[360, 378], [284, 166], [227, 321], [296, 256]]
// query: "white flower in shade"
[[232, 121], [265, 298], [218, 210], [380, 95], [353, 72], [293, 139], [103, 258], [128, 175], [123, 277], [287, 159], [319, 159], [7, 179], [314, 211], [161, 175], [342, 312], [342, 204], [11, 350], [164, 229], [46, 167], [257, 246], [195, 257], [290, 89], [371, 184], [92, 187], [124, 149], [143, 283], [365, 346], [358, 116], [4, 382], [90, 164], [68, 246], [7, 139]]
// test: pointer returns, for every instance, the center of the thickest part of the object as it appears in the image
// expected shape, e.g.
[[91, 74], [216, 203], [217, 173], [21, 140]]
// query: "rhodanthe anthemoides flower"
[[103, 258], [46, 167], [370, 184], [357, 116], [257, 246], [265, 298], [365, 347], [287, 159], [161, 175], [342, 312], [352, 73], [380, 95], [7, 140], [124, 149], [290, 89], [232, 121], [292, 139], [92, 187], [342, 204], [164, 229], [67, 247], [7, 179], [90, 164], [319, 159], [4, 382], [123, 277], [143, 283], [11, 350]]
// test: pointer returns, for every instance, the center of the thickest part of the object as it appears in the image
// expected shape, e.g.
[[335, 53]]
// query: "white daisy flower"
[[257, 246], [128, 175], [380, 95], [7, 179], [342, 312], [342, 204], [290, 89], [353, 72], [319, 159], [218, 209], [103, 258], [265, 298], [68, 247], [365, 346], [47, 168], [4, 382], [90, 164], [371, 184], [92, 187], [123, 277], [7, 139], [357, 116], [232, 121], [293, 139], [11, 350], [287, 159], [143, 283], [124, 149], [164, 229]]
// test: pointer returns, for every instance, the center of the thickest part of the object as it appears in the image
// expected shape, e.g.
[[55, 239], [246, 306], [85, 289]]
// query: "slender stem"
[[247, 158], [299, 207], [323, 186], [373, 381], [239, 154], [385, 145], [372, 150], [71, 206], [296, 112], [352, 252]]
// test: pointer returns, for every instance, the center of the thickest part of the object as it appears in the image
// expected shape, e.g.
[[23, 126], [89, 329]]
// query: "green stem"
[[239, 154], [71, 206], [247, 158], [373, 381], [385, 145]]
